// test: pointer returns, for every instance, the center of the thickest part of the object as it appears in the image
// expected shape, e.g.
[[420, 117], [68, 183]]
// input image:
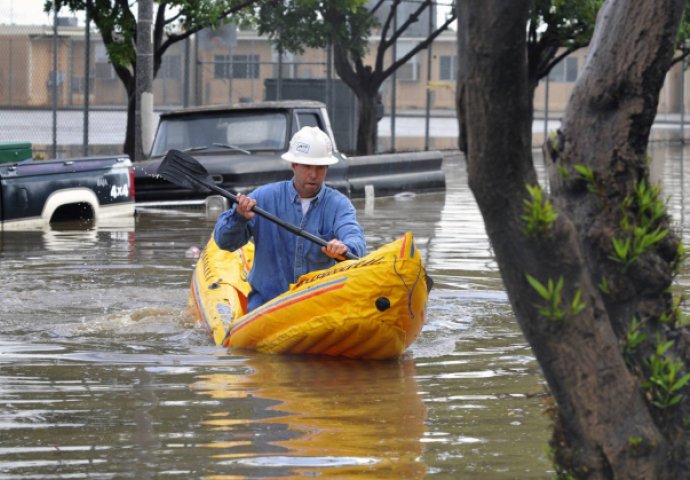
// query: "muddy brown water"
[[104, 375]]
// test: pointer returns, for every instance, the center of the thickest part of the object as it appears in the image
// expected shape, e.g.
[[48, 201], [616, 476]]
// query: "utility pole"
[[54, 80], [143, 123], [87, 78]]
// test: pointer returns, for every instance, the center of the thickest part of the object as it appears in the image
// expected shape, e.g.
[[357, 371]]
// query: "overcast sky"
[[30, 12], [26, 12]]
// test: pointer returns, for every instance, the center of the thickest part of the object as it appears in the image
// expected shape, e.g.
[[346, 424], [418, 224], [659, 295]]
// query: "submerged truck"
[[240, 146], [42, 193]]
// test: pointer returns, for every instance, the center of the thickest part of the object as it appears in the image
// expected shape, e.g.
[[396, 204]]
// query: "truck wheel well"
[[72, 204], [81, 212]]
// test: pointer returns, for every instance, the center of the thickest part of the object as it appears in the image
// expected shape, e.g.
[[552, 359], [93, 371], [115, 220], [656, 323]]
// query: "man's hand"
[[335, 249], [244, 206]]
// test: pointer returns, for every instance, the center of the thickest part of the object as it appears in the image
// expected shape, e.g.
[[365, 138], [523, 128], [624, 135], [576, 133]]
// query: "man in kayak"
[[281, 257]]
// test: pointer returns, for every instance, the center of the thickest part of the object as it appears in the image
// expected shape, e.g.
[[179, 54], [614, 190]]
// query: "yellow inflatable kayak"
[[373, 307]]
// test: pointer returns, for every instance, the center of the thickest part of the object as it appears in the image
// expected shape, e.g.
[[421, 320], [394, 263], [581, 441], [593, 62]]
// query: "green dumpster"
[[11, 152]]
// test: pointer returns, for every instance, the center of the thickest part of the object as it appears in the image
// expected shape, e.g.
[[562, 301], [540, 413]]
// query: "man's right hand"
[[244, 206]]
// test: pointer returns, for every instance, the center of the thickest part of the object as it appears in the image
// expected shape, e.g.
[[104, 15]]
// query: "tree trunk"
[[604, 425], [129, 81], [129, 145], [365, 84], [367, 128]]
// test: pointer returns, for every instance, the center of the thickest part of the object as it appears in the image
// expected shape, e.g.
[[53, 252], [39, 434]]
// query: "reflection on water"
[[320, 425], [103, 375]]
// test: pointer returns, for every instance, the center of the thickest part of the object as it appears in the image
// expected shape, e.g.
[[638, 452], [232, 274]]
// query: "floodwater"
[[104, 375]]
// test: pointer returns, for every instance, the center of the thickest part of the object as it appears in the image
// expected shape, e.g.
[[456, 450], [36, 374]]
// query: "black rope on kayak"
[[409, 290]]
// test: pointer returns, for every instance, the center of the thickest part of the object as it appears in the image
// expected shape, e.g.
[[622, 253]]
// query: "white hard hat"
[[310, 146]]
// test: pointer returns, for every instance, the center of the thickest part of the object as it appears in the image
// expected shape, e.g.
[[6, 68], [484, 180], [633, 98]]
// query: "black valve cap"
[[382, 303]]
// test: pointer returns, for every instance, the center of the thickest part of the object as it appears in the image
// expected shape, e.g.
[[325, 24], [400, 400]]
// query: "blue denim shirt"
[[282, 257]]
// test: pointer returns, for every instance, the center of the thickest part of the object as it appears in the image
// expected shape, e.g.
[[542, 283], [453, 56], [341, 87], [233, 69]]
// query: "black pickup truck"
[[40, 193], [240, 146]]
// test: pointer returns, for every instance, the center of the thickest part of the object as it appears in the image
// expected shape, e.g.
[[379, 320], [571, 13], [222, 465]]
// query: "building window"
[[245, 66], [78, 84], [564, 71], [221, 66], [448, 67], [103, 68], [236, 66], [170, 67], [287, 64], [409, 71], [55, 79]]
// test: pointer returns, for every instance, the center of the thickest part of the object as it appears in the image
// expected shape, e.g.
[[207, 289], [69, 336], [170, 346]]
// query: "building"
[[220, 66], [229, 65]]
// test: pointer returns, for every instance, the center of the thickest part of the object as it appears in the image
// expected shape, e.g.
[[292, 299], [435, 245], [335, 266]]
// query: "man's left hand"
[[335, 249]]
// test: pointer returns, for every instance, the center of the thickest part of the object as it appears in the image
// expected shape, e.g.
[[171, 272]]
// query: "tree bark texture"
[[605, 426], [130, 128], [365, 83]]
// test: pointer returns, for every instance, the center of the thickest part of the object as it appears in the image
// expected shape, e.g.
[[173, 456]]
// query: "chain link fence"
[[59, 91]]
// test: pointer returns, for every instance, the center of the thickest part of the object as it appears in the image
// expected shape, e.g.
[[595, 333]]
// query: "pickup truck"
[[41, 193], [240, 146]]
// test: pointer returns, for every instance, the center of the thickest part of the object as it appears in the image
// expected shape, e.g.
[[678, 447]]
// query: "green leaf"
[[681, 382], [536, 285], [577, 305]]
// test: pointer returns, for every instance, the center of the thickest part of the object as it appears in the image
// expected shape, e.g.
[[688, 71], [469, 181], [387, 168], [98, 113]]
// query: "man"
[[281, 257]]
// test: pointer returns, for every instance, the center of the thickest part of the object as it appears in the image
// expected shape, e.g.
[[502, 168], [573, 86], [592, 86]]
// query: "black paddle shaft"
[[184, 170]]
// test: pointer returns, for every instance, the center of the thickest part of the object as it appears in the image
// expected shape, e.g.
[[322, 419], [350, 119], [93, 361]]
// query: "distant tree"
[[349, 26], [173, 21], [589, 265], [556, 29]]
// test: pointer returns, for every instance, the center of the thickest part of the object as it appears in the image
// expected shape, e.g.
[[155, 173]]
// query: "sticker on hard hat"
[[302, 147]]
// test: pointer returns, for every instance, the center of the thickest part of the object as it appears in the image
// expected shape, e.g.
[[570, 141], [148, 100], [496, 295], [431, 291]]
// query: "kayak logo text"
[[225, 314], [338, 269]]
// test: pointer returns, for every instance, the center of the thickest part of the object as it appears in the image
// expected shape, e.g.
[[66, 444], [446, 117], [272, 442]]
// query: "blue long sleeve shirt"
[[281, 257]]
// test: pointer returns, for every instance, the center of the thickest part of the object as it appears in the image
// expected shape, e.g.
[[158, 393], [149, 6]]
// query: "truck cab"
[[240, 147]]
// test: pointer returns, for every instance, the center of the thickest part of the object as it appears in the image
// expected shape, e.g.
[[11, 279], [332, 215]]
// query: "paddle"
[[184, 170]]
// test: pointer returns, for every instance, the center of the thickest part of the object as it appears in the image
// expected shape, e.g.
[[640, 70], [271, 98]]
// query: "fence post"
[[682, 103], [279, 83], [185, 87], [394, 90], [329, 78], [197, 71], [53, 79], [87, 77], [428, 81]]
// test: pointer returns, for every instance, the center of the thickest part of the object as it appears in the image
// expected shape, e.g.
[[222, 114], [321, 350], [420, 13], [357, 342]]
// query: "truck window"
[[256, 132], [247, 130], [308, 119]]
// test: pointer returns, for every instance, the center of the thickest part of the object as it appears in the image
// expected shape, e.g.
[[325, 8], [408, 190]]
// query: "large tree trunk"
[[367, 128], [604, 425]]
